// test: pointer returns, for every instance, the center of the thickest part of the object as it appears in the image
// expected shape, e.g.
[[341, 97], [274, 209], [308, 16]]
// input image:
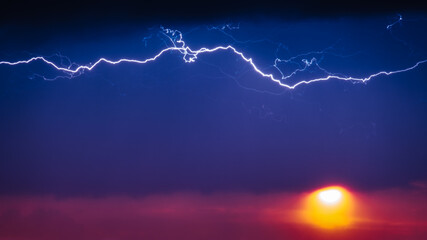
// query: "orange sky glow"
[[392, 214]]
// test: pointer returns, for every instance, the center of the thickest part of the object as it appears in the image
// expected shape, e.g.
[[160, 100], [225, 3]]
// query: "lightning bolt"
[[399, 20], [190, 55]]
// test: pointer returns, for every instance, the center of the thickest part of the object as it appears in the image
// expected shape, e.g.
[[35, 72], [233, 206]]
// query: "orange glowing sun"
[[329, 207]]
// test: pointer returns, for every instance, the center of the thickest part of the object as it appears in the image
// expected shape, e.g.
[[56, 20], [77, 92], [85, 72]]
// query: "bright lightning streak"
[[189, 56], [400, 19]]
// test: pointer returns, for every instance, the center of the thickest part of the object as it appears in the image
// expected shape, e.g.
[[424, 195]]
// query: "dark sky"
[[208, 126], [50, 11]]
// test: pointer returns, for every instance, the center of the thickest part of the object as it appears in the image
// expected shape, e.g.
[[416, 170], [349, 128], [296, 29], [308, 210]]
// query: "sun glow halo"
[[329, 208]]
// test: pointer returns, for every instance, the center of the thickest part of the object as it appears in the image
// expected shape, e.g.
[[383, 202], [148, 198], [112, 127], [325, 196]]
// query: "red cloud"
[[392, 214]]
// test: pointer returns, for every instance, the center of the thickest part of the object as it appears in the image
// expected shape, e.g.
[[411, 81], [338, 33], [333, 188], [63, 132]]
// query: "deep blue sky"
[[170, 126]]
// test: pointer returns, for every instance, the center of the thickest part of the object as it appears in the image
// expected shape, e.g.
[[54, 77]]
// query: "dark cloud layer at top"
[[83, 12]]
